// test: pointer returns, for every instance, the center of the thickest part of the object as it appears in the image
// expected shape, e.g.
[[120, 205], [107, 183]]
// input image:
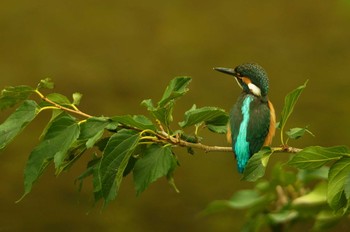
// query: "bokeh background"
[[118, 53]]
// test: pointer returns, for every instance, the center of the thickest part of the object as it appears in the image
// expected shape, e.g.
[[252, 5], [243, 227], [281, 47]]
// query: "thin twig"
[[74, 111]]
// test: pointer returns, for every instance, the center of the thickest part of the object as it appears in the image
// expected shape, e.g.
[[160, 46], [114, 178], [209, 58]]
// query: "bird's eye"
[[238, 74]]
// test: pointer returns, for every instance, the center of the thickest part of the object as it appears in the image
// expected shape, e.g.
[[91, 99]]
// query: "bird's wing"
[[258, 126], [236, 118]]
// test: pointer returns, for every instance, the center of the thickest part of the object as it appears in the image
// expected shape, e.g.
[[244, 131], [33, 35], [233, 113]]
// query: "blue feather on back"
[[241, 146]]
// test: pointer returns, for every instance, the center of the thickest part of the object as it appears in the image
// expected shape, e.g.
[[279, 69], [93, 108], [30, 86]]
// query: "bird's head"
[[251, 77]]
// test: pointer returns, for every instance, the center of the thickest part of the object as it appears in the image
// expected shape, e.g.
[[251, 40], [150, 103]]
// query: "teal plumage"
[[252, 118]]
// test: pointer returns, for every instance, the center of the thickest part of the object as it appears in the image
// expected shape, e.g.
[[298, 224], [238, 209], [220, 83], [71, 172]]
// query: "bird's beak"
[[229, 71], [232, 72]]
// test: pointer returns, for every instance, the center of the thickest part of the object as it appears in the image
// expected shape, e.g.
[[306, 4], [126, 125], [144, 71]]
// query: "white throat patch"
[[255, 89]]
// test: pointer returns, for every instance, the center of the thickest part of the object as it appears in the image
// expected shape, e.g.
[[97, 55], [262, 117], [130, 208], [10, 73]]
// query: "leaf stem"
[[282, 139], [48, 108], [75, 110]]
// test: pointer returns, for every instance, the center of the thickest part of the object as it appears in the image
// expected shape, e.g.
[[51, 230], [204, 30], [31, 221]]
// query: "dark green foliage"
[[127, 144], [257, 165], [17, 121], [92, 130], [281, 201], [338, 185], [143, 147], [137, 121], [54, 146], [316, 156], [164, 109], [156, 161], [214, 118], [115, 158]]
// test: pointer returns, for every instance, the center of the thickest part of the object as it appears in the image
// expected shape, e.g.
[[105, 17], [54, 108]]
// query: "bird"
[[252, 119]]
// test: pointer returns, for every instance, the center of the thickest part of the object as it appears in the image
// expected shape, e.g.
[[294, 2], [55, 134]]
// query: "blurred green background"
[[118, 53]]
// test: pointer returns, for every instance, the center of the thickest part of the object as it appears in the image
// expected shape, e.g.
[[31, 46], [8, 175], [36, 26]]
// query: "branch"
[[204, 147], [207, 148], [165, 137]]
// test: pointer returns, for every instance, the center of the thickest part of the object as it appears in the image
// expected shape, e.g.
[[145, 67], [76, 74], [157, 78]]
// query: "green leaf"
[[214, 117], [256, 166], [337, 178], [59, 137], [283, 216], [282, 176], [157, 161], [92, 130], [102, 143], [316, 156], [216, 206], [170, 174], [317, 196], [245, 199], [67, 137], [289, 103], [296, 133], [176, 88], [97, 182], [326, 219], [347, 187], [114, 161], [73, 154], [259, 222], [137, 121], [308, 175], [55, 113], [163, 114], [92, 164], [163, 111], [10, 96], [45, 84], [17, 121], [219, 124], [58, 98], [77, 98]]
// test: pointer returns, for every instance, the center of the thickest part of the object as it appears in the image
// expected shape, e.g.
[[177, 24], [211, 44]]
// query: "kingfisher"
[[252, 119]]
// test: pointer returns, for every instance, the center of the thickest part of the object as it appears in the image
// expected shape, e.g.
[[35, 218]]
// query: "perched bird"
[[252, 118]]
